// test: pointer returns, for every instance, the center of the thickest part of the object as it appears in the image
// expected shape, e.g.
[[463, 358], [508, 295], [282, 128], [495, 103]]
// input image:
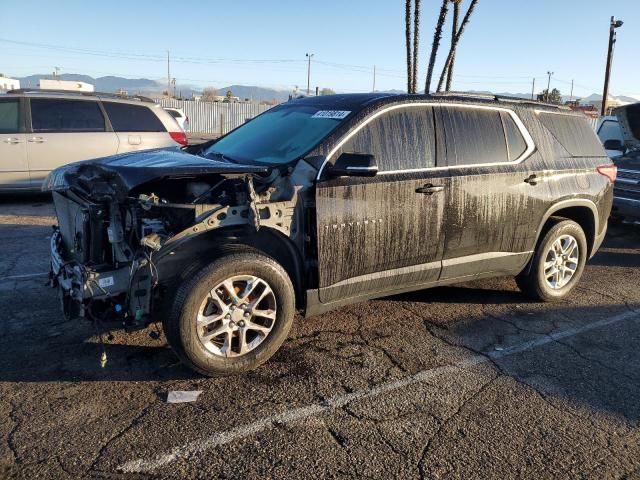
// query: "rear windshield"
[[278, 136], [574, 133]]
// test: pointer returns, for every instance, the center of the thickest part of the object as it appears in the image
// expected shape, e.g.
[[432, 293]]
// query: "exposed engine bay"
[[125, 234]]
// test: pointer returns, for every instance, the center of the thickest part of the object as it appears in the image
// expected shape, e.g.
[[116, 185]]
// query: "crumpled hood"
[[629, 118], [136, 168]]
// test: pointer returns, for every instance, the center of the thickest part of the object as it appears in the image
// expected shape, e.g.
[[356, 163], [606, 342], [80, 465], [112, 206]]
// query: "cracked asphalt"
[[471, 381]]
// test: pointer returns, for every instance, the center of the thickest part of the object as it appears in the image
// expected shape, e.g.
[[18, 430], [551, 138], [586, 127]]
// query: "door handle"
[[532, 179], [36, 140], [429, 189], [12, 141]]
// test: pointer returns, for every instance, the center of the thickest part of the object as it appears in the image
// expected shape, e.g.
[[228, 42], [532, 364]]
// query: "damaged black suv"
[[322, 202]]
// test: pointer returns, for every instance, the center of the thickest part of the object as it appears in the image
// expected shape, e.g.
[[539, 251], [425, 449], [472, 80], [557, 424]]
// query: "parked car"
[[610, 134], [323, 202], [180, 117], [41, 130], [626, 199]]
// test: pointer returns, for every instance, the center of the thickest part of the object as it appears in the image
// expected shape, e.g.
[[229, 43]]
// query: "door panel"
[[489, 205], [382, 233], [47, 151], [14, 169], [63, 131], [378, 234]]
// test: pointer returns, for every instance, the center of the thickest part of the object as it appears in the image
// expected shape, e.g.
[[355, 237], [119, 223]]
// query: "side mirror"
[[614, 144], [354, 165]]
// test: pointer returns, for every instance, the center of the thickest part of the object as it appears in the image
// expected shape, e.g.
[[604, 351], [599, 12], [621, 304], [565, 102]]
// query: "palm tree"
[[416, 41], [454, 43], [437, 35], [454, 31], [408, 38]]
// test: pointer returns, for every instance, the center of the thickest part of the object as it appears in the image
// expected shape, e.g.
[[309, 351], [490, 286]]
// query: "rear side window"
[[132, 118], [174, 114], [9, 116], [516, 144], [400, 139], [474, 136], [60, 115], [574, 133]]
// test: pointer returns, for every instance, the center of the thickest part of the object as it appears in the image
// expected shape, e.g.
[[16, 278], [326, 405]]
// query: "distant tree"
[[209, 94], [437, 36], [327, 91], [554, 97], [454, 43], [454, 30], [228, 95], [407, 18]]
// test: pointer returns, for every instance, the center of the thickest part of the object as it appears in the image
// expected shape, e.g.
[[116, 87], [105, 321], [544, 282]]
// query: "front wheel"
[[557, 264], [233, 315]]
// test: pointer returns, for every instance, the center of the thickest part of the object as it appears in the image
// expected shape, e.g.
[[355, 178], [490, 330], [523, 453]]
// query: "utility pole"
[[546, 99], [309, 55], [168, 76], [374, 78], [612, 40], [571, 96], [533, 88]]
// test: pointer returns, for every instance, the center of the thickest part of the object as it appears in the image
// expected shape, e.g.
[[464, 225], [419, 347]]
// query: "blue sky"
[[262, 42]]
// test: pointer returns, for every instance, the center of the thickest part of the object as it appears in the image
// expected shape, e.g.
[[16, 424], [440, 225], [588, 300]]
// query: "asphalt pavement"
[[471, 381]]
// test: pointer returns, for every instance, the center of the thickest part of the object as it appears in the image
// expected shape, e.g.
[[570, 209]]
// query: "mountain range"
[[145, 86]]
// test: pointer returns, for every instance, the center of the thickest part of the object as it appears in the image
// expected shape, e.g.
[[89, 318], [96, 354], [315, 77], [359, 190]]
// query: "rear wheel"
[[233, 315], [557, 264]]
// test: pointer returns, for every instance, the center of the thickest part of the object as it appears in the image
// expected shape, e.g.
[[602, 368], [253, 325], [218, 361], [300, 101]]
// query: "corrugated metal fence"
[[214, 117]]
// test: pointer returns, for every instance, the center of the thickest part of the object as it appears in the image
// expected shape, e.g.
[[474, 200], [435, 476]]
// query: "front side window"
[[10, 116], [400, 139], [61, 115], [278, 136], [610, 130], [132, 118], [474, 136]]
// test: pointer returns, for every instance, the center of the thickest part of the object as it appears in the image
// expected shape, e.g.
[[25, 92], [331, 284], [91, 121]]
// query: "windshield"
[[279, 135]]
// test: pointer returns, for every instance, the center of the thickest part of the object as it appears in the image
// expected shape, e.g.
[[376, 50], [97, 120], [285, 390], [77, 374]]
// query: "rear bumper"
[[626, 207]]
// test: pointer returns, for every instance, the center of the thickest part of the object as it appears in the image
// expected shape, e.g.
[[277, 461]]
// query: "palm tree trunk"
[[437, 35], [454, 31], [408, 39], [454, 44], [416, 42]]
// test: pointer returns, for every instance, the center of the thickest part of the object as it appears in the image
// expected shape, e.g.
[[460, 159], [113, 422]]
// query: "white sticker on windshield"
[[333, 114], [105, 282]]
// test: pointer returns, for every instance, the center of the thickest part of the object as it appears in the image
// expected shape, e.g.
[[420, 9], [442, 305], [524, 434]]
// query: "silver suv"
[[41, 130]]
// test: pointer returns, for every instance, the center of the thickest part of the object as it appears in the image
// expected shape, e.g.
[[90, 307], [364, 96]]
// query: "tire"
[[222, 355], [535, 283]]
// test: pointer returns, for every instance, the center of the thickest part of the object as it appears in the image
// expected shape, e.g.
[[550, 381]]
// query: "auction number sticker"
[[332, 114]]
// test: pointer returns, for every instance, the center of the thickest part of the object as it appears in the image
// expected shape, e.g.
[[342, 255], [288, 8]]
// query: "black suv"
[[322, 202]]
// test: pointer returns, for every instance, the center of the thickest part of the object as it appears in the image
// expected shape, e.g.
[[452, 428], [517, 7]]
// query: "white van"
[[41, 130]]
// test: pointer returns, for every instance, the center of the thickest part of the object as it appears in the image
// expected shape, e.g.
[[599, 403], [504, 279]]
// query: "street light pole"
[[612, 40], [309, 55], [548, 86]]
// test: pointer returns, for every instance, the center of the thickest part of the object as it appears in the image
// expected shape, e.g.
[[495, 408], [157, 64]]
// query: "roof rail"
[[85, 94], [500, 98]]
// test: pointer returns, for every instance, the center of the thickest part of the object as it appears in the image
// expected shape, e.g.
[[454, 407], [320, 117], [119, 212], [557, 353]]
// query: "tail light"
[[609, 171], [179, 137]]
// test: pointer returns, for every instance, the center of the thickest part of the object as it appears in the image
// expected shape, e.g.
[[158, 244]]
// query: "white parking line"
[[221, 438], [20, 277]]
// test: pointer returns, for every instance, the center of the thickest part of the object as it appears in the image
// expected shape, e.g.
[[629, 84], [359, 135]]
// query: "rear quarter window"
[[132, 118], [574, 133]]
